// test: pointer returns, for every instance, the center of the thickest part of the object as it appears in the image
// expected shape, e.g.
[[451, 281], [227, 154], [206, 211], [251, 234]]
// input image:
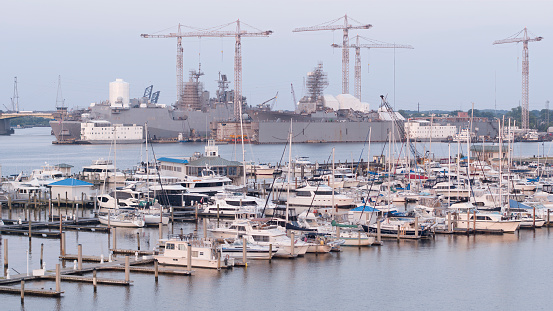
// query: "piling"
[[359, 239], [80, 256], [270, 251], [41, 253], [109, 220], [398, 229], [548, 223], [114, 238], [416, 227], [22, 291], [218, 261], [378, 231], [138, 240], [30, 224], [205, 228], [5, 254], [449, 222], [63, 243], [244, 255], [189, 257], [474, 221], [468, 221], [61, 222], [9, 202], [292, 243], [58, 278], [127, 269], [534, 218], [337, 232], [94, 279], [156, 270], [217, 215], [59, 201]]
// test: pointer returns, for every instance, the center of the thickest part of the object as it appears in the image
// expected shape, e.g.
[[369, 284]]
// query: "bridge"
[[5, 117], [13, 115]]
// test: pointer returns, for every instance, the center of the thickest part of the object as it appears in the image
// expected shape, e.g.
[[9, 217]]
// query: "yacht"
[[208, 183], [122, 219], [203, 254], [317, 197], [226, 204], [103, 170], [262, 234], [253, 251]]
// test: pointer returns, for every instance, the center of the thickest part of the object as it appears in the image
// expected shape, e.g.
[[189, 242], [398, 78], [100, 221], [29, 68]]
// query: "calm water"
[[507, 272]]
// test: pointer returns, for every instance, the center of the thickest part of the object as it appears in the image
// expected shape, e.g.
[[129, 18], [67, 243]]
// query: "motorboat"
[[390, 226], [122, 219], [227, 204], [262, 234], [208, 183], [253, 251], [317, 197], [203, 254]]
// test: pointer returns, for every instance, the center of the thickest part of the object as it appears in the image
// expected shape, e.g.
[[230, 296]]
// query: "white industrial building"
[[423, 130], [345, 101]]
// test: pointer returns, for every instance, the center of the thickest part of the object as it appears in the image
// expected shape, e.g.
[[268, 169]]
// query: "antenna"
[[60, 102], [15, 98]]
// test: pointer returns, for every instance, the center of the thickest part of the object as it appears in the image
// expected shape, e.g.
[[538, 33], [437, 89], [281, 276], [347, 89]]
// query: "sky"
[[453, 63]]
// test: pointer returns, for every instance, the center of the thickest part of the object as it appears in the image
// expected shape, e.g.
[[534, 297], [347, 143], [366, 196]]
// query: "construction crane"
[[525, 70], [216, 32], [400, 127], [345, 43], [373, 45], [293, 95]]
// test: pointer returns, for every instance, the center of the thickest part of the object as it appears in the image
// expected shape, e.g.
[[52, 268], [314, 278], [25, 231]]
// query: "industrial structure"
[[345, 42], [374, 44], [525, 70], [215, 32]]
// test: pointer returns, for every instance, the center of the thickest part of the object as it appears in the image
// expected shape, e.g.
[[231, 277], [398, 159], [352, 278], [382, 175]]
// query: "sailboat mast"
[[288, 175]]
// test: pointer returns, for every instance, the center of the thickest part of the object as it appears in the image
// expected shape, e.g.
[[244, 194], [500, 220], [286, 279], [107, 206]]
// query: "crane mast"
[[345, 43], [215, 32], [525, 71], [373, 45]]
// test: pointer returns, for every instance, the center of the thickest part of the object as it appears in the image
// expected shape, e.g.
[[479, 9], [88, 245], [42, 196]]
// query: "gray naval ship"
[[193, 117]]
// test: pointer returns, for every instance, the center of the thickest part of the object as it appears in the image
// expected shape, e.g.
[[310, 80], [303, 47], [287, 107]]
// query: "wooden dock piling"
[[138, 239], [156, 270], [22, 291], [189, 257], [58, 278], [127, 271], [80, 256], [5, 254], [416, 227], [244, 252], [378, 232], [270, 252], [94, 279]]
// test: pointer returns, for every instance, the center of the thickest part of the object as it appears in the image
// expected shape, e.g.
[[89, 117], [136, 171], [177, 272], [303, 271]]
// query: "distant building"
[[488, 152], [424, 130]]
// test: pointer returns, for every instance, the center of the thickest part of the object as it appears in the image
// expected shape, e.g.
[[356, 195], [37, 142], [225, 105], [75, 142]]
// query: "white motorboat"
[[208, 183], [234, 204], [203, 254], [271, 235], [317, 197], [253, 251], [484, 221], [103, 170], [122, 219]]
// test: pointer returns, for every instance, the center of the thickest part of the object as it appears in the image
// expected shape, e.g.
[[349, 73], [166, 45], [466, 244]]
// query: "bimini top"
[[72, 182]]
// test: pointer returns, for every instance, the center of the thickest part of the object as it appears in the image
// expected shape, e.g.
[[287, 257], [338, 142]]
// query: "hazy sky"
[[90, 43]]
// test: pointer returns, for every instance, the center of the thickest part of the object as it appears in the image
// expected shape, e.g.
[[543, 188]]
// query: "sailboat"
[[121, 218]]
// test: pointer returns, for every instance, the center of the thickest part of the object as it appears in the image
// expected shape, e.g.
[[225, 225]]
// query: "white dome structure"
[[119, 93]]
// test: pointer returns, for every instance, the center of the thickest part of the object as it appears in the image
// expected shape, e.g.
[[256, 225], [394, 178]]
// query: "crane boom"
[[345, 43], [357, 46], [237, 34], [525, 71]]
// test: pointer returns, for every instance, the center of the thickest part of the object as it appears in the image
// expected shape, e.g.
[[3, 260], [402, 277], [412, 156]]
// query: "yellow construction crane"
[[373, 45], [215, 32], [345, 42], [525, 70]]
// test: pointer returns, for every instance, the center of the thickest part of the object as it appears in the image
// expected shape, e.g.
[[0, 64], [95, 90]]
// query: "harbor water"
[[449, 272]]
